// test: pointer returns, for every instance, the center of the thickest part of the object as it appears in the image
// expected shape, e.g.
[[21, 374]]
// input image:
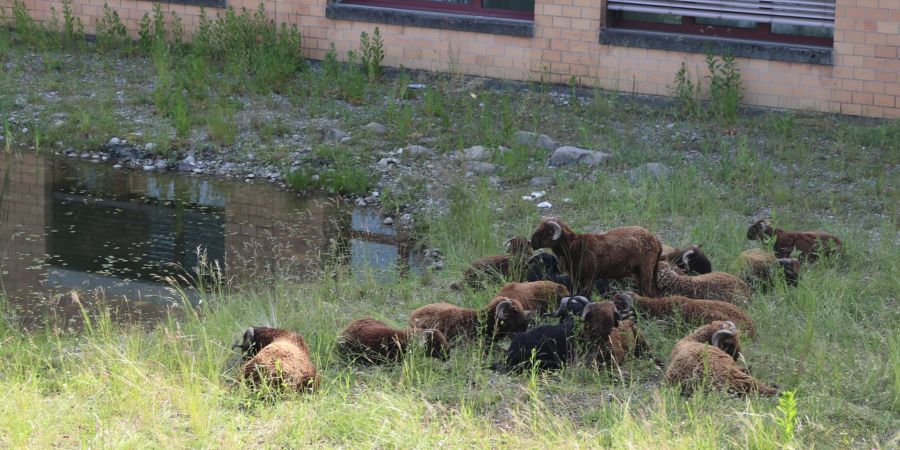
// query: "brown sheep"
[[608, 337], [501, 317], [692, 260], [758, 267], [807, 243], [372, 341], [617, 253], [498, 268], [693, 311], [277, 357], [711, 286], [538, 296], [708, 355]]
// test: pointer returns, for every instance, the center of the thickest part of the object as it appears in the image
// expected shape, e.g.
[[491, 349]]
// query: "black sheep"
[[545, 266], [551, 345]]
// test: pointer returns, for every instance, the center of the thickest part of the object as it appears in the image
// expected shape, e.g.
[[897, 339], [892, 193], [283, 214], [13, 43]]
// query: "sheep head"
[[600, 318], [548, 232], [760, 230], [255, 338], [510, 316], [624, 302], [541, 267], [518, 246], [695, 260], [435, 344], [721, 334], [570, 306], [791, 268]]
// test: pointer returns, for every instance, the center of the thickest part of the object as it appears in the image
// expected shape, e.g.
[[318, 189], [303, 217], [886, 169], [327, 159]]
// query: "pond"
[[73, 233]]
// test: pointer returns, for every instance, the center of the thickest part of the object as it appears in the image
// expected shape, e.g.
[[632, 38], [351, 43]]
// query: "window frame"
[[473, 8]]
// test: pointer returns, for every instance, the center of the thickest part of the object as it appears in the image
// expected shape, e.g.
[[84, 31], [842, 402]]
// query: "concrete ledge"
[[430, 19], [772, 51], [210, 3]]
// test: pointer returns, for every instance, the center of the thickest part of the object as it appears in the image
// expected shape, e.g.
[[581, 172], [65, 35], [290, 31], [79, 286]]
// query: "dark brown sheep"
[[540, 296], [279, 358], [609, 338], [758, 267], [706, 357], [500, 318], [618, 253], [711, 286], [496, 269], [693, 311], [692, 260], [372, 341], [809, 244]]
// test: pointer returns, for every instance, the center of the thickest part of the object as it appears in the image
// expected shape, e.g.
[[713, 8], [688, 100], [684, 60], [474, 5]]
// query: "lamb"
[[501, 317], [617, 253], [692, 260], [537, 296], [758, 267], [372, 341], [277, 357], [711, 286], [808, 243], [709, 354], [544, 266], [691, 310], [552, 346], [497, 268], [609, 337]]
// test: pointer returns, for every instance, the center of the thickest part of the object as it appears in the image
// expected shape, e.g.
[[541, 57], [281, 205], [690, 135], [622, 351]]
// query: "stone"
[[370, 199], [482, 168], [161, 165], [544, 205], [375, 127], [114, 141], [360, 202], [346, 140], [541, 140], [149, 168], [657, 171], [197, 170], [546, 143], [117, 166], [388, 221], [574, 155], [541, 181], [386, 163], [85, 155], [333, 135], [475, 153], [418, 150]]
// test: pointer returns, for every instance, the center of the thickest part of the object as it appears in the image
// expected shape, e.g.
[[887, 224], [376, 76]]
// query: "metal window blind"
[[816, 13]]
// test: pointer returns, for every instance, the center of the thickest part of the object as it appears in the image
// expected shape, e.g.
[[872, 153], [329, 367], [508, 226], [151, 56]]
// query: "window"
[[511, 9], [809, 22]]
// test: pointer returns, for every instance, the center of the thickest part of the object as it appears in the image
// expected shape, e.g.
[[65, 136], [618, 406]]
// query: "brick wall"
[[863, 80]]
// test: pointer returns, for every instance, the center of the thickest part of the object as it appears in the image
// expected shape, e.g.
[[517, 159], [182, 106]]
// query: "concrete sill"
[[207, 3], [772, 51], [430, 19]]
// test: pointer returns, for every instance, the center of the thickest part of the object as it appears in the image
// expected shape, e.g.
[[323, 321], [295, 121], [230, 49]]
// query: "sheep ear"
[[557, 229]]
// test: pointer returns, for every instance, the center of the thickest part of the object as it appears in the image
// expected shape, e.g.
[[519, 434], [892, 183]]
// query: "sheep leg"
[[745, 384], [644, 274]]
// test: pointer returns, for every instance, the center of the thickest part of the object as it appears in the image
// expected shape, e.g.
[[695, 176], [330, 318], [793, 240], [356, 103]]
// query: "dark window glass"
[[514, 5]]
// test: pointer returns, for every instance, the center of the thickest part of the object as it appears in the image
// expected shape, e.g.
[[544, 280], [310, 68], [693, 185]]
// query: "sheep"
[[692, 260], [501, 317], [549, 346], [278, 357], [617, 253], [372, 341], [711, 286], [709, 354], [758, 267], [609, 336], [497, 268], [544, 266], [537, 296], [691, 310], [809, 244]]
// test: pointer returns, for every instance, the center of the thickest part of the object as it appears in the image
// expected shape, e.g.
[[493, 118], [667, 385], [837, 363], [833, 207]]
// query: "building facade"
[[838, 56]]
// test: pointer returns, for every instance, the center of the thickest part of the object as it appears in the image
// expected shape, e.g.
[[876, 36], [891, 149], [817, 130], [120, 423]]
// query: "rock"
[[197, 170], [334, 135], [541, 140], [161, 165], [370, 199], [541, 181], [482, 168], [250, 176], [149, 147], [386, 163], [85, 155], [658, 171], [575, 155], [117, 166], [388, 221], [418, 150], [21, 102], [114, 141], [375, 127], [360, 202], [346, 140], [149, 168], [475, 153], [544, 205]]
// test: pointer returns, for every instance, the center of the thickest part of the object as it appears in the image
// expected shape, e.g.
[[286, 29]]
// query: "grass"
[[832, 341]]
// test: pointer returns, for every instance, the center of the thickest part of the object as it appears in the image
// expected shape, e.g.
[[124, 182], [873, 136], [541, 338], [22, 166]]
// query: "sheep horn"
[[501, 309], [557, 229], [685, 256], [563, 306], [508, 241], [731, 326], [248, 337], [629, 304], [718, 336]]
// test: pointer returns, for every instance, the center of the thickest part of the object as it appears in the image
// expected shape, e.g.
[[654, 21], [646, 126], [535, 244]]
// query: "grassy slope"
[[834, 339]]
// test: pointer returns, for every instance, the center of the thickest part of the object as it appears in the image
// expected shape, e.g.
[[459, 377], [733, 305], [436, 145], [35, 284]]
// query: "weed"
[[371, 51], [787, 419], [338, 172], [111, 32], [686, 93], [725, 88], [222, 128]]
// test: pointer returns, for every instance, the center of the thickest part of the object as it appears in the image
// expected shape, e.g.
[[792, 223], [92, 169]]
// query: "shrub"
[[686, 93], [111, 32], [371, 52], [725, 89]]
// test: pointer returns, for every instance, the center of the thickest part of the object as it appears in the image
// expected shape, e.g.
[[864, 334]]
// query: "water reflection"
[[70, 225]]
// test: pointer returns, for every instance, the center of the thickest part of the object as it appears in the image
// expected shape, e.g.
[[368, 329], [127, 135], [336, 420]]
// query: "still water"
[[117, 236]]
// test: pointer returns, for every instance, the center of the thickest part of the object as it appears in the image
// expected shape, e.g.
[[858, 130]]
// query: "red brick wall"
[[863, 80]]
